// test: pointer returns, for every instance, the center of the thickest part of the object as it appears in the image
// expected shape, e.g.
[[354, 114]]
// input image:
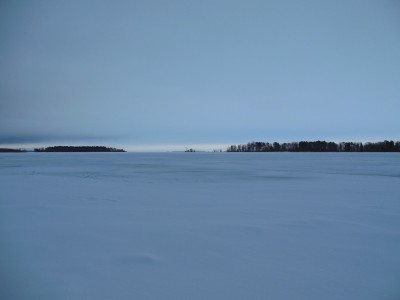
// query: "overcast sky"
[[153, 74]]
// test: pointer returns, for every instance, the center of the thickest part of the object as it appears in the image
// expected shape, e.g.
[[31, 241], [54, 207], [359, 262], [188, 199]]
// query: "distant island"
[[78, 149], [317, 146], [9, 150]]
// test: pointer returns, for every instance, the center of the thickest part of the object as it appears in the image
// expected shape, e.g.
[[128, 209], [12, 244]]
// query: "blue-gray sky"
[[153, 74]]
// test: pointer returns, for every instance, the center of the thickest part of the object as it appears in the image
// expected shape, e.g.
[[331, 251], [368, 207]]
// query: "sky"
[[162, 75]]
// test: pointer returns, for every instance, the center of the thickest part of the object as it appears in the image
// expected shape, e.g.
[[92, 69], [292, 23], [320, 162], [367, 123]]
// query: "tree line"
[[78, 149], [6, 150], [317, 146]]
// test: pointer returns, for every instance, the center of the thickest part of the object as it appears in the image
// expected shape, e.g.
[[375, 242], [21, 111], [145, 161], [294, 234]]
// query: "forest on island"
[[78, 149], [317, 146], [6, 150]]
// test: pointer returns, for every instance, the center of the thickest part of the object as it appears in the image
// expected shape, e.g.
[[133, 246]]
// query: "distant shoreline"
[[78, 149], [302, 146], [10, 150], [65, 149], [317, 146]]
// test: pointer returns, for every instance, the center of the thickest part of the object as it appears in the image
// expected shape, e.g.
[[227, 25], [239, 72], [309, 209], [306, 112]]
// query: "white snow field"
[[199, 226]]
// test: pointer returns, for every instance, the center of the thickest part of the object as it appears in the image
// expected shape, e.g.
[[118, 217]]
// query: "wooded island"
[[78, 149], [317, 146]]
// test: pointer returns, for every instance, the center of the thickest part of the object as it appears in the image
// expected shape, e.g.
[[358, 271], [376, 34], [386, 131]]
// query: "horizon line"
[[178, 147]]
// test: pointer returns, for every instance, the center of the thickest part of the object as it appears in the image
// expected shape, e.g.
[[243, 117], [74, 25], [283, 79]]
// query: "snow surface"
[[199, 226]]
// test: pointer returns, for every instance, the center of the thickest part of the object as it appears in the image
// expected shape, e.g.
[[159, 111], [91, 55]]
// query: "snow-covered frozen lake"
[[200, 226]]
